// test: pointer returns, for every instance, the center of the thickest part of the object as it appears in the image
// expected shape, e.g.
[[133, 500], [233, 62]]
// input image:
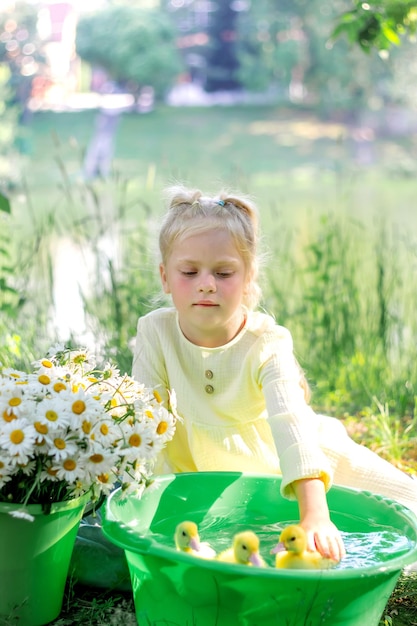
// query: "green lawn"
[[291, 162]]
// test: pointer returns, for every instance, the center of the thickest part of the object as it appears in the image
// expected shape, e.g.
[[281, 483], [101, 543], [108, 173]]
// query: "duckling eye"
[[293, 538], [184, 534], [244, 547]]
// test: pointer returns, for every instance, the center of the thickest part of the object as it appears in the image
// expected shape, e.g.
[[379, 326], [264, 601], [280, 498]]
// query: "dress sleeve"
[[148, 362], [293, 423]]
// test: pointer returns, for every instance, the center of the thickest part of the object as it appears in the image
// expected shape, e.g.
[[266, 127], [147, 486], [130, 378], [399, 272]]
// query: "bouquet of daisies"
[[68, 428]]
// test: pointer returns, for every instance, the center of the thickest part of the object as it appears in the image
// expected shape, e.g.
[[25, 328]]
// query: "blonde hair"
[[190, 213]]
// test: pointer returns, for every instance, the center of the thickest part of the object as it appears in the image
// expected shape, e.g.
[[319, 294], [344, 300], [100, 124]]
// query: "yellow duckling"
[[187, 539], [244, 550], [291, 551]]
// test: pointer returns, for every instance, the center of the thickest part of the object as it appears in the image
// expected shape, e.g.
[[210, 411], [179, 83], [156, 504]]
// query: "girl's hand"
[[322, 534]]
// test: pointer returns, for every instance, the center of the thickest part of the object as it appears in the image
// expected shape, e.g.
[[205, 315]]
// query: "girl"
[[240, 391]]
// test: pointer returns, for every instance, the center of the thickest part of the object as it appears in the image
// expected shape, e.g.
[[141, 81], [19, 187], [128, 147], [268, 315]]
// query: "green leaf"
[[4, 203], [391, 35]]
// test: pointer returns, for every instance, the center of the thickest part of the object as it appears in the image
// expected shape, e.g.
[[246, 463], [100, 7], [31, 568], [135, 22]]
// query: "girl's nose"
[[207, 284]]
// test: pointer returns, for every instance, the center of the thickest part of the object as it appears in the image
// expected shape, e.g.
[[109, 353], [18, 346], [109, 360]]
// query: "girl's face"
[[207, 279]]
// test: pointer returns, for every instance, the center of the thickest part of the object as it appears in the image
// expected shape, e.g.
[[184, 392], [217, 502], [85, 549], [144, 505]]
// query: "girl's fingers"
[[330, 546]]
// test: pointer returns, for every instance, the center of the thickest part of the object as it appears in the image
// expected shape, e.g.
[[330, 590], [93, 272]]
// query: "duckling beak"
[[195, 544], [255, 559], [280, 547]]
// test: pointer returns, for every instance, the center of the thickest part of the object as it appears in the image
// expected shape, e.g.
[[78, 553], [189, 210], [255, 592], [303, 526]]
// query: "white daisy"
[[13, 401], [82, 360], [138, 440], [162, 421], [18, 439], [6, 470], [71, 469], [40, 383], [100, 462], [62, 445], [106, 482], [53, 413], [105, 432]]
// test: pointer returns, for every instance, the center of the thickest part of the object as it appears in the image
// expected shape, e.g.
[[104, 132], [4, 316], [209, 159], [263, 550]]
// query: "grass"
[[343, 257]]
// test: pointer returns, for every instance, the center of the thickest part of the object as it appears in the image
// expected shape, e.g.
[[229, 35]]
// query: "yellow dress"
[[244, 409]]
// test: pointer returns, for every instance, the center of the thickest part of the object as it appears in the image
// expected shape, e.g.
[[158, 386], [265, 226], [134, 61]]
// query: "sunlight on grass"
[[303, 129]]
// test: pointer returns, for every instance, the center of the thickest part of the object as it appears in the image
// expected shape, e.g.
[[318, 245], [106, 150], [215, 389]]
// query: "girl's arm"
[[322, 534]]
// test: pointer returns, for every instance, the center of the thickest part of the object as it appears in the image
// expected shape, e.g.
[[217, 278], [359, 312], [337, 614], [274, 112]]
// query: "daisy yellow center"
[[17, 436], [1, 465], [78, 407], [9, 417], [135, 440], [149, 414], [69, 465], [59, 443], [51, 472], [59, 387], [46, 363], [42, 429], [15, 401], [162, 428], [104, 429], [103, 478], [51, 415], [80, 358], [86, 427], [44, 379], [96, 458]]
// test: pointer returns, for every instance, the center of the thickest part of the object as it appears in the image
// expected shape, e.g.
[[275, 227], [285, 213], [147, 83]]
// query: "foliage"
[[378, 24], [289, 45], [68, 428], [136, 47], [271, 44]]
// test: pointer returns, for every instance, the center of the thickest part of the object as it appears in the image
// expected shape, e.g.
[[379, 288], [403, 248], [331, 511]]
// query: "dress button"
[[209, 388], [209, 374]]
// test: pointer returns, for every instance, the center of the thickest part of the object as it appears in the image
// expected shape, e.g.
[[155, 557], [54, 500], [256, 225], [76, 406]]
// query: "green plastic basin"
[[176, 589]]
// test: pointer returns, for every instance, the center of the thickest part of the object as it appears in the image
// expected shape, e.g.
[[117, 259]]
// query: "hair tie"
[[220, 202]]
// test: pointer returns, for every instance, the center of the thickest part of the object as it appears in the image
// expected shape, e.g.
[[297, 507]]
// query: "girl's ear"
[[164, 280]]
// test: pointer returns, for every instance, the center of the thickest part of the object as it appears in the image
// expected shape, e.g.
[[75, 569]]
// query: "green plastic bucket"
[[174, 588], [34, 560]]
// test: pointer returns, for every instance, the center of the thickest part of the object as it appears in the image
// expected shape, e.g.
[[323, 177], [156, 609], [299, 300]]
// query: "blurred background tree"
[[378, 24], [136, 47]]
